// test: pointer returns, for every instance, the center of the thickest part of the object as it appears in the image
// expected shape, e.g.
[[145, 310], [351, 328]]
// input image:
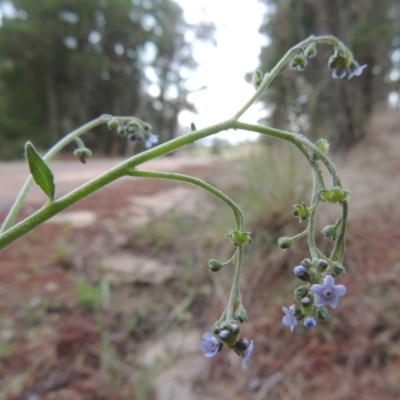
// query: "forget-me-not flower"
[[289, 319], [328, 292], [151, 139], [210, 345], [246, 355], [309, 323]]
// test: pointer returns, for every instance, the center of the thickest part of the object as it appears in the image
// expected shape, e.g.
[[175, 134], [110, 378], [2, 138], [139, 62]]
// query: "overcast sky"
[[222, 68]]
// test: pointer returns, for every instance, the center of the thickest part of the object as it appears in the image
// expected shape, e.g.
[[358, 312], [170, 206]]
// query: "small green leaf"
[[40, 171]]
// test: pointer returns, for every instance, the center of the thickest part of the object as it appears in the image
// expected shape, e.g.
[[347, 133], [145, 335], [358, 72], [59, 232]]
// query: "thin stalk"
[[237, 212], [234, 295]]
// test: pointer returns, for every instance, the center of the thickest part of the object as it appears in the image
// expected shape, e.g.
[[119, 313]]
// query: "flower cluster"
[[210, 346], [134, 130], [312, 297]]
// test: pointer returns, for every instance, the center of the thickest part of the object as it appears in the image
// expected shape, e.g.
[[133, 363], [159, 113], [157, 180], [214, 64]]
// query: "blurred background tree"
[[312, 102], [64, 62]]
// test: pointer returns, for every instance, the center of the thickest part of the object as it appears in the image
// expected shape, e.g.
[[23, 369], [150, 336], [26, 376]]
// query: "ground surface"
[[86, 312]]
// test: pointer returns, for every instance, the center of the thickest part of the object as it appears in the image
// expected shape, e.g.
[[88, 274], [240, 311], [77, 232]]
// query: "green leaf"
[[40, 171]]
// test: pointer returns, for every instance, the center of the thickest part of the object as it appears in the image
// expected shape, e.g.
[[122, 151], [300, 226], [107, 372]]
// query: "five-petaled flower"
[[328, 292], [289, 319], [246, 355], [210, 345], [151, 139]]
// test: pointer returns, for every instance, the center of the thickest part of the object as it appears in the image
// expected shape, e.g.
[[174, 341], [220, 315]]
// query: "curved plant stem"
[[237, 212]]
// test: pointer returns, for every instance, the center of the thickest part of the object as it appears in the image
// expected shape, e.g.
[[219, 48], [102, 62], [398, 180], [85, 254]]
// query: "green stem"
[[237, 212], [269, 77], [234, 295], [12, 214], [338, 251], [120, 170]]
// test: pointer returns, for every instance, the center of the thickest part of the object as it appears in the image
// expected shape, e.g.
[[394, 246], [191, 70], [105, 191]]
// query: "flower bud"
[[306, 302], [301, 292], [338, 269], [299, 62], [113, 124], [235, 328], [241, 345], [330, 232], [241, 315], [239, 238], [334, 195], [257, 78], [321, 264], [300, 211], [311, 50], [306, 263], [147, 127], [297, 312], [285, 242], [82, 154], [323, 145], [224, 335], [309, 323], [214, 266], [301, 273], [322, 314]]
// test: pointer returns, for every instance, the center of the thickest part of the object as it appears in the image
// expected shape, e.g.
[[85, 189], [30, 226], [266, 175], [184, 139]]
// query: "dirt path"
[[69, 174]]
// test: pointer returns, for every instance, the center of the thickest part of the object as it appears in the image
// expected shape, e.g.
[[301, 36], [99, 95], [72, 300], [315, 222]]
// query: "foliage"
[[64, 62], [312, 102]]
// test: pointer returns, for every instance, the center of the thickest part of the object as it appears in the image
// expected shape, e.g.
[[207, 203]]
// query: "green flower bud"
[[239, 238], [321, 264], [82, 154], [323, 145], [241, 315], [257, 78], [300, 211], [214, 266], [339, 59], [311, 50], [338, 269], [147, 127], [113, 124], [301, 292], [285, 242], [299, 62], [330, 232], [334, 195], [306, 263], [322, 314], [298, 313]]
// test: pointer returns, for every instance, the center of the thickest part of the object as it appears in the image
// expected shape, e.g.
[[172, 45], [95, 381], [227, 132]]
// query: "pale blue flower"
[[210, 345], [289, 319], [247, 354], [356, 70], [328, 292], [151, 139], [309, 323]]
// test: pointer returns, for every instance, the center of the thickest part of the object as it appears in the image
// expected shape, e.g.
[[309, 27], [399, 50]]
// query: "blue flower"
[[246, 355], [356, 70], [151, 139], [289, 319], [309, 323], [328, 292], [210, 345], [353, 70]]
